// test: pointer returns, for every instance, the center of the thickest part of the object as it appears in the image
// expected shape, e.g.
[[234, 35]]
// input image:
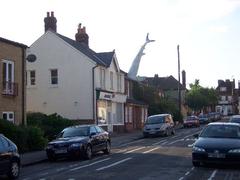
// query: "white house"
[[70, 79]]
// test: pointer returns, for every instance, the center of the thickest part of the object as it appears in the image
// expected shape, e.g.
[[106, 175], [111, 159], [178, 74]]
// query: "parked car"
[[160, 124], [218, 143], [79, 141], [203, 119], [9, 158], [235, 119], [191, 121]]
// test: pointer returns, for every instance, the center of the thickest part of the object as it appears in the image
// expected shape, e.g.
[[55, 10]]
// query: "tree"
[[199, 98]]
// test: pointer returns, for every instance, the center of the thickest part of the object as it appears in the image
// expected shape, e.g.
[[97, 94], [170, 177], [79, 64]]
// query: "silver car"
[[160, 124]]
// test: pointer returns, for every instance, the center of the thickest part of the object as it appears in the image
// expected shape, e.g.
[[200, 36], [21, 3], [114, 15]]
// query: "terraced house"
[[12, 81], [72, 80]]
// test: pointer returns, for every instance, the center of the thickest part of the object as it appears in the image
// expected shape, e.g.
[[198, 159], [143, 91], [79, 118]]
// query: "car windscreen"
[[155, 120], [221, 131], [74, 131]]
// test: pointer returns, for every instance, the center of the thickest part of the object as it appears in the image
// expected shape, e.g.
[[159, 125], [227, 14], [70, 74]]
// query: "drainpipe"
[[93, 91], [24, 121]]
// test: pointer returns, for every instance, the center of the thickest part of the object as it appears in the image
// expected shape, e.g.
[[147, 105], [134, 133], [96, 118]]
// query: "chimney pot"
[[47, 14], [52, 14]]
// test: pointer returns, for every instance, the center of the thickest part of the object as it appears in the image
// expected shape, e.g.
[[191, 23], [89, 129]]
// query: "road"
[[161, 158]]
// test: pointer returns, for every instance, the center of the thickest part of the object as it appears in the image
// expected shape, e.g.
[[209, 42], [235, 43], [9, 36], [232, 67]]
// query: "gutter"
[[23, 87], [93, 91]]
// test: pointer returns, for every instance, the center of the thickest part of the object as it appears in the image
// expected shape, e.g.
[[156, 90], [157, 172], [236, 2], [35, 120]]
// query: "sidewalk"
[[117, 139]]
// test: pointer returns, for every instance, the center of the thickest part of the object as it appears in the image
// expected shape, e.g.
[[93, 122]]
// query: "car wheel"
[[196, 164], [14, 170], [88, 152], [51, 157], [167, 132], [173, 131], [107, 149]]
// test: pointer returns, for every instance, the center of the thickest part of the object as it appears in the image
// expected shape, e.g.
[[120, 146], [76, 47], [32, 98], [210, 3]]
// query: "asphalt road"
[[161, 158]]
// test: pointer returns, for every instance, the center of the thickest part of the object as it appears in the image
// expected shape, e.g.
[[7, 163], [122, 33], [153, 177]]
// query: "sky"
[[207, 32]]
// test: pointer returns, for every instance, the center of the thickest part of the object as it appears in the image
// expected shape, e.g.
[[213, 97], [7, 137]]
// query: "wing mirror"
[[196, 135], [93, 134]]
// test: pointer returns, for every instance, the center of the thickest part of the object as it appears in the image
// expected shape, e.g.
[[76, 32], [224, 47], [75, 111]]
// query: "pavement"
[[35, 157]]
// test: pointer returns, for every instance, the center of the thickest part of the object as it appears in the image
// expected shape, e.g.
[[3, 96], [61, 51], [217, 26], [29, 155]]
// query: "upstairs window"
[[32, 77], [223, 89], [8, 116], [111, 80], [102, 78], [54, 76], [119, 83]]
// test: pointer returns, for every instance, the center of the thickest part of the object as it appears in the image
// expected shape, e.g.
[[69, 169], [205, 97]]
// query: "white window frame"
[[111, 80], [8, 113], [102, 78], [32, 78], [51, 77], [223, 89], [119, 82], [9, 88]]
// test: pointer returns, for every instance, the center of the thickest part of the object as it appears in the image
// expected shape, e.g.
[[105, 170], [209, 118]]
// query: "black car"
[[9, 158], [218, 143], [79, 141]]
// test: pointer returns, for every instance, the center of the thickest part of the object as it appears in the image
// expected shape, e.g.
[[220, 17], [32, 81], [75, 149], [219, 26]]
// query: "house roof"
[[107, 57], [165, 83], [13, 43], [86, 50]]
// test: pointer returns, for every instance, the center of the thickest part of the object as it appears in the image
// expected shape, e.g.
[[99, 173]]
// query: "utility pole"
[[179, 79]]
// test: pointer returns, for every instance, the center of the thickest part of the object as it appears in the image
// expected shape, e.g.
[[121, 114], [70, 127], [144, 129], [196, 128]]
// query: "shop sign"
[[105, 95]]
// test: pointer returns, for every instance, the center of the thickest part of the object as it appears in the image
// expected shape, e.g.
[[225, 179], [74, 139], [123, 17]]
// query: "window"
[[8, 76], [102, 78], [119, 113], [130, 114], [223, 98], [111, 80], [32, 78], [223, 89], [54, 76], [119, 83], [8, 116]]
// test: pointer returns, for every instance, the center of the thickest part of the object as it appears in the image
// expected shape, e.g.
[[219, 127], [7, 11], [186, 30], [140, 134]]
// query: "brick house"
[[12, 81], [228, 97], [136, 111]]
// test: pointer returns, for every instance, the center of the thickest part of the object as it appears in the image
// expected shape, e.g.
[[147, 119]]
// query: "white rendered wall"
[[73, 96]]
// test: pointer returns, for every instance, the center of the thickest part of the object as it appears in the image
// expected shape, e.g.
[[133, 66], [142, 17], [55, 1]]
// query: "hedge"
[[26, 138]]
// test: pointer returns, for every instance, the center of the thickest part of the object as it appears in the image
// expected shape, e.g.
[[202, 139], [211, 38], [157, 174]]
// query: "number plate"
[[152, 132], [61, 151], [216, 155]]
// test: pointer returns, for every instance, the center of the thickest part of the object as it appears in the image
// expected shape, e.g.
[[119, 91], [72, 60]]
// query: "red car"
[[191, 121]]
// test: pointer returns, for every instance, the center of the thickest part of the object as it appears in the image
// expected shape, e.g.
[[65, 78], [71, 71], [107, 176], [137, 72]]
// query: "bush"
[[51, 125], [26, 138]]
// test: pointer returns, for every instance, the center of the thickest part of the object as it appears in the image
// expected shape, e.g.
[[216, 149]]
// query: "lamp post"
[[179, 88]]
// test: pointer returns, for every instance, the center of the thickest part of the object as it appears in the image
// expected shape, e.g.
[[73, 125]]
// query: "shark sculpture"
[[132, 73]]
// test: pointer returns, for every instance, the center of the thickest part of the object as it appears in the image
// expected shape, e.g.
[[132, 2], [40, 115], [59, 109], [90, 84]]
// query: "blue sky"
[[206, 30]]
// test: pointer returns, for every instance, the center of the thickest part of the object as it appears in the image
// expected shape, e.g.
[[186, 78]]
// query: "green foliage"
[[156, 104], [26, 138], [199, 97], [51, 125]]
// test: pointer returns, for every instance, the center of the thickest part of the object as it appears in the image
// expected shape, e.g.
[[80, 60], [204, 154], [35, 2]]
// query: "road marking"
[[181, 178], [157, 143], [43, 174], [134, 150], [213, 174], [113, 164], [130, 143], [150, 150], [175, 141], [60, 169], [87, 165]]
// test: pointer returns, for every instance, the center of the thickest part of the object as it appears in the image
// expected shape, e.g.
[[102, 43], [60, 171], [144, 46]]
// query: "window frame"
[[52, 78], [8, 113]]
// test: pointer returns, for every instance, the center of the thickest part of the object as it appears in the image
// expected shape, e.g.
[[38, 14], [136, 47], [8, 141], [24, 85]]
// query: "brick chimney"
[[184, 79], [50, 22], [81, 36]]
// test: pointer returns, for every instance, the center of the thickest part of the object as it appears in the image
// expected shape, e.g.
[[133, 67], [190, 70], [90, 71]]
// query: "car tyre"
[[88, 152], [107, 150], [51, 157], [14, 170], [196, 164]]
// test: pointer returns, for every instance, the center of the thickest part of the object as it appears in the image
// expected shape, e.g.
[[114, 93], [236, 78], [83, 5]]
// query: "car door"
[[102, 137], [4, 155], [95, 141]]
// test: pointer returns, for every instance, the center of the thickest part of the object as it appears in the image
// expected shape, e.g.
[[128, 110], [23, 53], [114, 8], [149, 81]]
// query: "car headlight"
[[76, 145], [197, 149], [49, 146], [234, 151]]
